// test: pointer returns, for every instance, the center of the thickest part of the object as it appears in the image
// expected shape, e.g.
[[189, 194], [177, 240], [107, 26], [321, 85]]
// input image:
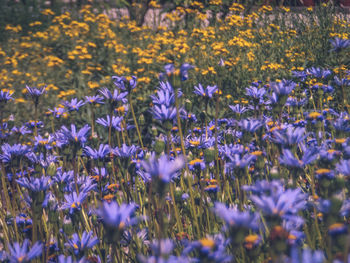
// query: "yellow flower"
[[93, 85], [215, 2], [15, 29], [20, 100], [154, 4], [47, 12], [205, 242], [201, 16], [36, 23]]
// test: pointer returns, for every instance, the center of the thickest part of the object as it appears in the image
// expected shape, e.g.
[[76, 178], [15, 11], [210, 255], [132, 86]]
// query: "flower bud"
[[159, 146], [209, 155]]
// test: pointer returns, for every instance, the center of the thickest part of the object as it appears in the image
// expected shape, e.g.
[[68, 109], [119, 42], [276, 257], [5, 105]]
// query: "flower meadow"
[[177, 143]]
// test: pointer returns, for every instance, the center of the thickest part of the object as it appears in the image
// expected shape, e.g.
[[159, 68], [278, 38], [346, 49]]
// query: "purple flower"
[[306, 256], [74, 104], [239, 109], [74, 136], [318, 72], [107, 122], [234, 218], [16, 151], [289, 136], [125, 152], [22, 254], [5, 96], [302, 75], [277, 203], [116, 216], [344, 167], [79, 245], [164, 97], [184, 70], [35, 184], [338, 44], [289, 159], [74, 201], [115, 97], [250, 125], [163, 113], [170, 70], [34, 92], [283, 88], [121, 81], [94, 99], [101, 153], [255, 93], [162, 168], [208, 92]]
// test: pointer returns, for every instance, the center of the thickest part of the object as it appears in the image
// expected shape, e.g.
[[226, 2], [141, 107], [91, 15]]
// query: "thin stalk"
[[177, 216], [135, 121]]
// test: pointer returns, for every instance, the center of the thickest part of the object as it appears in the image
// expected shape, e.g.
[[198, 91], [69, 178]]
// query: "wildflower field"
[[198, 138]]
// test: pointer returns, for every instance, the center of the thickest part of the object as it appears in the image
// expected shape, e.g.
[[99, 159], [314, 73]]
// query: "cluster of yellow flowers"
[[84, 51]]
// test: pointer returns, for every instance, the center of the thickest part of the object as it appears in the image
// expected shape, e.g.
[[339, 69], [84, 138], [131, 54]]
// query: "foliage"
[[201, 141]]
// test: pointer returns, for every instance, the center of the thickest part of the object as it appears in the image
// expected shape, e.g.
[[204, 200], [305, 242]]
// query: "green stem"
[[135, 121], [177, 216]]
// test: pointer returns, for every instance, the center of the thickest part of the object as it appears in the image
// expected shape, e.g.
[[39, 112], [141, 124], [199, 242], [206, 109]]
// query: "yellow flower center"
[[121, 225], [335, 226], [194, 143], [342, 140], [205, 242], [20, 259], [314, 115], [251, 238], [322, 171], [195, 161], [256, 153]]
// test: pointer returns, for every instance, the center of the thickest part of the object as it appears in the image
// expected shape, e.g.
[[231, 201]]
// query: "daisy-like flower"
[[79, 245], [164, 97], [101, 153], [35, 184], [121, 82], [234, 218], [12, 152], [107, 122], [94, 99], [74, 104], [208, 92], [280, 203], [114, 97], [163, 113], [171, 70], [339, 44], [22, 253], [162, 168], [344, 167], [288, 137], [239, 109], [256, 93], [319, 72], [35, 93], [5, 96], [74, 136], [250, 125], [117, 217], [125, 152], [289, 159], [74, 201], [283, 88]]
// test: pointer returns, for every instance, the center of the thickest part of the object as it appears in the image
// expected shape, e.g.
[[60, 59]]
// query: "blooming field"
[[185, 143]]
